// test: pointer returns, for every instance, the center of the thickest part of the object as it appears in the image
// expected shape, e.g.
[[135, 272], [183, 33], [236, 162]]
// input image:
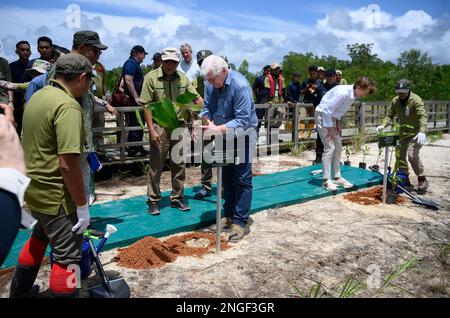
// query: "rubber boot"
[[22, 282], [423, 185]]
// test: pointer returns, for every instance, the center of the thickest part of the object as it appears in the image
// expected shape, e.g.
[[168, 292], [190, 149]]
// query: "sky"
[[260, 31]]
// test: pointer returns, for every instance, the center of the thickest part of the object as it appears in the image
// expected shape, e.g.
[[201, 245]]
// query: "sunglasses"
[[170, 62]]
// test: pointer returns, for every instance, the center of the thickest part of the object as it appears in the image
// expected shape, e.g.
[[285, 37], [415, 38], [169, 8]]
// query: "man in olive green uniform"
[[275, 86], [410, 110], [165, 81], [6, 97], [88, 44], [53, 138], [206, 169]]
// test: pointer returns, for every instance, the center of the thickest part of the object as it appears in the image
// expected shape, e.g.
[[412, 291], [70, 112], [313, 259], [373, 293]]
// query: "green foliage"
[[358, 140], [243, 69], [435, 136], [350, 287], [365, 152], [164, 114], [298, 151], [397, 272]]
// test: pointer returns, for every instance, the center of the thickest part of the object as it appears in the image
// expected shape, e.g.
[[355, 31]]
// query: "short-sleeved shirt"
[[5, 74], [52, 126], [156, 87], [132, 68], [87, 105]]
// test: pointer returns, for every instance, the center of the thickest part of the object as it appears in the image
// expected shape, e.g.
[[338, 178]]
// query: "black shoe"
[[202, 193], [317, 162], [153, 208], [95, 232], [180, 205], [22, 282]]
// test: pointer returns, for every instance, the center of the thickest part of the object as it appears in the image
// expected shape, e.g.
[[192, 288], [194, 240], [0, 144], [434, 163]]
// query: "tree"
[[361, 54], [243, 69]]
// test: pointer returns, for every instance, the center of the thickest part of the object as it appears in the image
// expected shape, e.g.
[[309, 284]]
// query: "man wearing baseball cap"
[[412, 116], [168, 82], [157, 60], [87, 43], [134, 77], [53, 138]]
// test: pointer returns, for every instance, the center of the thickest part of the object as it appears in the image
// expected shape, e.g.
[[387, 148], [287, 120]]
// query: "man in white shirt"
[[329, 112], [188, 65]]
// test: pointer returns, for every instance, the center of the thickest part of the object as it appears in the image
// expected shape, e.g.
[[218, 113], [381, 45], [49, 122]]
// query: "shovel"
[[414, 199], [113, 288]]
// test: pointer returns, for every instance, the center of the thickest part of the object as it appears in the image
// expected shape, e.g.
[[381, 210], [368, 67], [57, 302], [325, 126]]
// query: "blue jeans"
[[238, 188]]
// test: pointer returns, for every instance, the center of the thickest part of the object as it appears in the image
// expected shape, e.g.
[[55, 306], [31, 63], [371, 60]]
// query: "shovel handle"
[[100, 267]]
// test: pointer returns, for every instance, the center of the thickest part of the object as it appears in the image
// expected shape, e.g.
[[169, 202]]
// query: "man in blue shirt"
[[230, 111], [134, 77]]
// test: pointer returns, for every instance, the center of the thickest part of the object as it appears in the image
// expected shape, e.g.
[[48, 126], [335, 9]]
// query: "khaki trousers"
[[411, 148], [177, 164]]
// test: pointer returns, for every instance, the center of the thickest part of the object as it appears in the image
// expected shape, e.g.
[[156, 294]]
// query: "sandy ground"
[[327, 241]]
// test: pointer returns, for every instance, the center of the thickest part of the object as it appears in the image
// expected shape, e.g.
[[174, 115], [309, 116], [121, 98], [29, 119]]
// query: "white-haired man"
[[229, 110]]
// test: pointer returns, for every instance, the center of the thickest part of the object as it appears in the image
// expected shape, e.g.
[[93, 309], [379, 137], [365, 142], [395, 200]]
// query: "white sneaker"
[[329, 185], [341, 182]]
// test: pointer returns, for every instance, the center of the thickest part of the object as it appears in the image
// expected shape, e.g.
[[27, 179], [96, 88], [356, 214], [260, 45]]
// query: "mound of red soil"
[[370, 197], [151, 252]]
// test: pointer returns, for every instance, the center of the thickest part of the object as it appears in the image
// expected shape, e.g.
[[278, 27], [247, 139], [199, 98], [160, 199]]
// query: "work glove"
[[380, 129], [83, 219], [27, 220], [420, 138]]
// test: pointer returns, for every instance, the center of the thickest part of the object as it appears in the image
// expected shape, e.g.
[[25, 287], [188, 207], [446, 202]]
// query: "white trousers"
[[331, 156]]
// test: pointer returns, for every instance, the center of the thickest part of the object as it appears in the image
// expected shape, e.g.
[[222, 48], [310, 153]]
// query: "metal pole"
[[386, 153], [219, 209]]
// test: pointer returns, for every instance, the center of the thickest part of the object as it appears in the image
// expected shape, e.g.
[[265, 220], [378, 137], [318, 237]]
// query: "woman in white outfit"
[[329, 112]]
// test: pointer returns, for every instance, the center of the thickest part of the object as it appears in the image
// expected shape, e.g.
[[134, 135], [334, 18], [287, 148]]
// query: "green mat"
[[269, 191]]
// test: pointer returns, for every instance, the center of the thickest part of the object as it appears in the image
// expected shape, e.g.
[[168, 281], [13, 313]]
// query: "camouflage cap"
[[73, 63], [40, 66], [203, 54], [88, 38], [403, 86]]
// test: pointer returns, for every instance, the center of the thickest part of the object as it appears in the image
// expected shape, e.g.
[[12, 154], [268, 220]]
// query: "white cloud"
[[249, 40]]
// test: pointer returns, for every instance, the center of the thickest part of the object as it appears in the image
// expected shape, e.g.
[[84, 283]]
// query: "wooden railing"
[[294, 130]]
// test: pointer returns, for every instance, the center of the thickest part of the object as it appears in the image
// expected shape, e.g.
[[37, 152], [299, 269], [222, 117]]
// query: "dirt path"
[[327, 241]]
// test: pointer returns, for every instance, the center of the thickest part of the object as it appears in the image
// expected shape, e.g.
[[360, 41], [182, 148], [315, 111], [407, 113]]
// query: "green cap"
[[73, 63], [88, 38]]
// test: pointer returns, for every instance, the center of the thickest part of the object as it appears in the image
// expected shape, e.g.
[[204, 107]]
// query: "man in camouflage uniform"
[[410, 110]]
